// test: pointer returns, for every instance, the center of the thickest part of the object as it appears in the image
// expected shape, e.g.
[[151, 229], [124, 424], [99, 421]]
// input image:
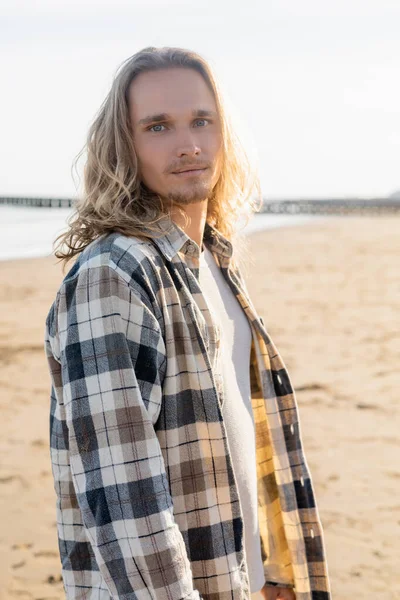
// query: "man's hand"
[[277, 593]]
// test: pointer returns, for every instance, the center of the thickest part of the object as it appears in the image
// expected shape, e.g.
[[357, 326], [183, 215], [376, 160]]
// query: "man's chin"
[[183, 197]]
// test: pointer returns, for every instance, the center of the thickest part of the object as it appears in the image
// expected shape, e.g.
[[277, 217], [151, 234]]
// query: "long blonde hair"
[[114, 198]]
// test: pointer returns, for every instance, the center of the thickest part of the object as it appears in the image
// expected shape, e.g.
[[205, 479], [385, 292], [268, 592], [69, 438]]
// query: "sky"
[[314, 85]]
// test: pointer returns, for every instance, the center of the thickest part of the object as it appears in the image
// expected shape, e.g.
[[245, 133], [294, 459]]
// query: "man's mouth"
[[189, 172]]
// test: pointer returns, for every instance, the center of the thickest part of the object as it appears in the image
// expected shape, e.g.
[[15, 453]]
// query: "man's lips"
[[190, 172]]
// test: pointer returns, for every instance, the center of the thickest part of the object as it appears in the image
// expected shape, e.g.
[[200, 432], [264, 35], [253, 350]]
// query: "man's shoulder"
[[131, 258], [111, 256]]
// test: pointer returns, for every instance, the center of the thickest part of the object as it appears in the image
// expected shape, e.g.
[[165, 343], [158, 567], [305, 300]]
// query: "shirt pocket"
[[197, 318], [209, 329]]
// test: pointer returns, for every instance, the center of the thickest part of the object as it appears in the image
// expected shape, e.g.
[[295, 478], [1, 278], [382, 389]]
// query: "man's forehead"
[[169, 92], [165, 76]]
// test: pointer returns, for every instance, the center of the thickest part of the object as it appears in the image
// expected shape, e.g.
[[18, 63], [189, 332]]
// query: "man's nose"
[[187, 144]]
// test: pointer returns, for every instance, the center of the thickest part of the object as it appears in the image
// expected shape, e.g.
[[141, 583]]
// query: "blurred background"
[[314, 88]]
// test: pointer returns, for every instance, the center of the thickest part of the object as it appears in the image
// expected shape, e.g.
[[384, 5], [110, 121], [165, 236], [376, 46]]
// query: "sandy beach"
[[329, 294]]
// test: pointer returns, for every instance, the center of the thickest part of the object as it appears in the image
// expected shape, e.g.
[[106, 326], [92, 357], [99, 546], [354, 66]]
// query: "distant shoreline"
[[27, 233]]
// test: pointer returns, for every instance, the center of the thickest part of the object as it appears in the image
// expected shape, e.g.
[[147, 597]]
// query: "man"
[[175, 443]]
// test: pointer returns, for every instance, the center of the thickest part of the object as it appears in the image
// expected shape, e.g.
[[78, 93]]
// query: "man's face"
[[175, 125]]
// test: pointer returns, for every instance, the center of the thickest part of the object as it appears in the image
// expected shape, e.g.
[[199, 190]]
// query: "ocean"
[[28, 232]]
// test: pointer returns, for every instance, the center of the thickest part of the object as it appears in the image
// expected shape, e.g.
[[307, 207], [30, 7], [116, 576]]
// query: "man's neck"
[[197, 214]]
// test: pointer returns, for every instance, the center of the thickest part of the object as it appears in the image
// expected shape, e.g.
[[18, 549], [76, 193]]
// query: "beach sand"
[[329, 294]]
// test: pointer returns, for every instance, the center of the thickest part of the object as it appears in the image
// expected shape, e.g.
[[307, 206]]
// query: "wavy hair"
[[114, 198]]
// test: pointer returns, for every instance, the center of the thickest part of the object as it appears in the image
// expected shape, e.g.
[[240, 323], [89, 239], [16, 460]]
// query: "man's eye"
[[206, 120], [160, 125], [150, 128]]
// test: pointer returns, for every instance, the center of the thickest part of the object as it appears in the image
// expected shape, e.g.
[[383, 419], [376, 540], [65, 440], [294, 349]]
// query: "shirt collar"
[[175, 240]]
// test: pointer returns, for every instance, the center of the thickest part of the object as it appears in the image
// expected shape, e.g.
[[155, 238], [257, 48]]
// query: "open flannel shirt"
[[146, 498]]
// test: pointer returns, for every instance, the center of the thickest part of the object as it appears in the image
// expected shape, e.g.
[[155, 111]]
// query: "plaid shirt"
[[146, 498]]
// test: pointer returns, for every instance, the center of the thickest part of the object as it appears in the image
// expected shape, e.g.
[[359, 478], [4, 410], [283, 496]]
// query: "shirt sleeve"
[[110, 477]]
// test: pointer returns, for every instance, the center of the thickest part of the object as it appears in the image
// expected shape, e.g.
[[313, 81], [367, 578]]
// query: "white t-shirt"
[[233, 367]]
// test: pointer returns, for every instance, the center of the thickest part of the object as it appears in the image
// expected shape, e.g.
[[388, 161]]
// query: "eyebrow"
[[201, 112]]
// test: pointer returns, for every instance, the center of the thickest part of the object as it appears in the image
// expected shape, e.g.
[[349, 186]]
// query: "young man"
[[175, 442]]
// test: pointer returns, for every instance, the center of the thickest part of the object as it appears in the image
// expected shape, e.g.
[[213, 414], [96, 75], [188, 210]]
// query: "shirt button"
[[190, 249]]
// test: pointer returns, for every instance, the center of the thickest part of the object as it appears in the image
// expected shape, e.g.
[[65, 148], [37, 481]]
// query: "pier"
[[325, 206]]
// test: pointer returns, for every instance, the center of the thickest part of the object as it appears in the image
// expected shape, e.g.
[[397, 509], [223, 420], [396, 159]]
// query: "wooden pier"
[[324, 206], [336, 206], [39, 202]]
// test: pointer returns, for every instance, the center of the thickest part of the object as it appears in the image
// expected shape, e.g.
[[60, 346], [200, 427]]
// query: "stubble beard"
[[196, 192]]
